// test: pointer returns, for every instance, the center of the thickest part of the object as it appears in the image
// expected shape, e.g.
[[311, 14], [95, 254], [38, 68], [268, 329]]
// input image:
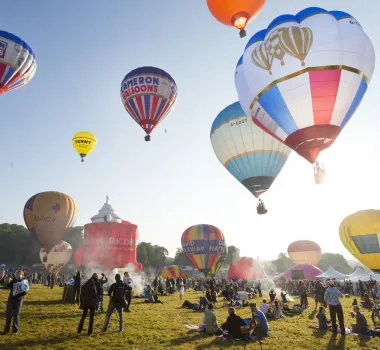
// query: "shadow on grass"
[[189, 338], [334, 344], [58, 339], [43, 302], [41, 316], [312, 314], [219, 343]]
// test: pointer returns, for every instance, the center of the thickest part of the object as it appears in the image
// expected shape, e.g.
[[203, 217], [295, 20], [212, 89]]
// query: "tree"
[[151, 255], [282, 263], [181, 258], [337, 261], [232, 255]]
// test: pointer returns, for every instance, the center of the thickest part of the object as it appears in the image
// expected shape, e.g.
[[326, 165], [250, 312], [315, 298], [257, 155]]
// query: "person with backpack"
[[90, 299], [117, 293]]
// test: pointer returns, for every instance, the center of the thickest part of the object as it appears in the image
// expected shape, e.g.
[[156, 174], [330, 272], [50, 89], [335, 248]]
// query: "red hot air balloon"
[[246, 268]]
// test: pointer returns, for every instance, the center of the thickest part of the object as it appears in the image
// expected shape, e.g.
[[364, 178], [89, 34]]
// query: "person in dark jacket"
[[19, 287], [232, 325], [117, 293], [102, 281], [90, 299], [77, 284]]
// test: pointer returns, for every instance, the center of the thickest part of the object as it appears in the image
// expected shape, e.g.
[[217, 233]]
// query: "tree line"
[[19, 247]]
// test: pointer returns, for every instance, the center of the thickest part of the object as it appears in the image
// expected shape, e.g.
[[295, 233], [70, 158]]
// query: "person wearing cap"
[[332, 295], [19, 287], [262, 327]]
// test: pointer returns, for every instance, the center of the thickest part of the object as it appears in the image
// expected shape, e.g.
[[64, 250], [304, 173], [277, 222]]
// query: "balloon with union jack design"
[[17, 62], [148, 95]]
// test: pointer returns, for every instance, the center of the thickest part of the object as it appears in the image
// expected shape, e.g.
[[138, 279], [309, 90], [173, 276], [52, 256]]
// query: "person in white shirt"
[[128, 281], [264, 307]]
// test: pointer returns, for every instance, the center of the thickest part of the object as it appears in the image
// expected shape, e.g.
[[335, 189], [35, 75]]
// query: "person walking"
[[90, 299], [332, 296], [117, 302], [19, 287]]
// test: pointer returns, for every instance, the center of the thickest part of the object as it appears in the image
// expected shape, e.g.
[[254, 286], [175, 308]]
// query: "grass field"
[[46, 323]]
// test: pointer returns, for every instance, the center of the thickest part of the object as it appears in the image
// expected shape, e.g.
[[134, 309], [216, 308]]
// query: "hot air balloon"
[[84, 143], [17, 62], [304, 252], [304, 78], [359, 234], [57, 258], [235, 13], [172, 271], [205, 247], [246, 268], [47, 215], [148, 94], [251, 155]]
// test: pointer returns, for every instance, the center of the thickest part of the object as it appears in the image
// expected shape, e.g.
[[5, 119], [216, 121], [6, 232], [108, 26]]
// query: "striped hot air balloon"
[[172, 271], [206, 248], [148, 94], [304, 252], [17, 62]]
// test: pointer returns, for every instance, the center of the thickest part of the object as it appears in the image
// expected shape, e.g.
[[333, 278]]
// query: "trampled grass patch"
[[47, 323]]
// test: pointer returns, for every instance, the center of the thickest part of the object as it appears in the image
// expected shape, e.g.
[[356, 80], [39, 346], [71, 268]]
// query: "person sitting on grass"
[[272, 295], [277, 311], [323, 324], [355, 302], [283, 296], [210, 321], [203, 302], [264, 308], [367, 303], [232, 325], [152, 298], [261, 329], [361, 325]]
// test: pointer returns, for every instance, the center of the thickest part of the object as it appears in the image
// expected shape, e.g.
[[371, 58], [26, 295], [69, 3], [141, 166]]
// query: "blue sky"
[[85, 48]]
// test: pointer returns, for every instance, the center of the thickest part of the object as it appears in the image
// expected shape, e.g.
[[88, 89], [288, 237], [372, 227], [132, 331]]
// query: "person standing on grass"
[[128, 281], [117, 302], [77, 285], [90, 299], [102, 281], [181, 289], [332, 296], [19, 287]]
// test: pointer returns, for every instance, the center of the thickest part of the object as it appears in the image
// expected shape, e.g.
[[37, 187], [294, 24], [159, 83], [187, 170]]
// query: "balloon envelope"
[[302, 272], [148, 94], [237, 13], [206, 248], [359, 233], [250, 154], [47, 215], [306, 76], [246, 268], [84, 142], [17, 62], [173, 271], [57, 258], [304, 252]]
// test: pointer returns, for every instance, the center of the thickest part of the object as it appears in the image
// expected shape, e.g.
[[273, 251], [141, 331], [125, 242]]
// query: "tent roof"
[[359, 271], [332, 273]]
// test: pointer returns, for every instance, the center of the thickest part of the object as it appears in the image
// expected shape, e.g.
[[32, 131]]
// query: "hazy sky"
[[85, 48]]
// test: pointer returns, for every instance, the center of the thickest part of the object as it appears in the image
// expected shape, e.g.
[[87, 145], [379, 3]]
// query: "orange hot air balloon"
[[173, 271], [304, 252], [236, 13]]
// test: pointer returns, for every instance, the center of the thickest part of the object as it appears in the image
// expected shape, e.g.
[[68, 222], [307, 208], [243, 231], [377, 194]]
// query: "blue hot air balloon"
[[148, 94], [251, 155]]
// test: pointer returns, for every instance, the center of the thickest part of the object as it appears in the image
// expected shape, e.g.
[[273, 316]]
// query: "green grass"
[[46, 323]]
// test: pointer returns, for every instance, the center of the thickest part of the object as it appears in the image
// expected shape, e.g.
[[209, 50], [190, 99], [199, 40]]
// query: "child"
[[322, 319]]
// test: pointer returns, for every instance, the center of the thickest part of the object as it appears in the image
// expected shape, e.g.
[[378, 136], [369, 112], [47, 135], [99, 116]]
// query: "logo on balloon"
[[293, 41], [55, 208], [3, 48]]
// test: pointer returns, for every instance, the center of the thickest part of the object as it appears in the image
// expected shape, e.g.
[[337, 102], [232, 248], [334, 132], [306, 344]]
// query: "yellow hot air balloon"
[[47, 215], [84, 142], [359, 233], [57, 258]]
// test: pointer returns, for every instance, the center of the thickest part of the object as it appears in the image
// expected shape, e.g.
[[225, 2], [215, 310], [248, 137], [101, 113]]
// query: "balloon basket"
[[243, 33], [147, 137], [319, 178]]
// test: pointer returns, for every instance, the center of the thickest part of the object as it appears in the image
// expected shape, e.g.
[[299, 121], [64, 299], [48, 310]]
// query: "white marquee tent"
[[331, 273]]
